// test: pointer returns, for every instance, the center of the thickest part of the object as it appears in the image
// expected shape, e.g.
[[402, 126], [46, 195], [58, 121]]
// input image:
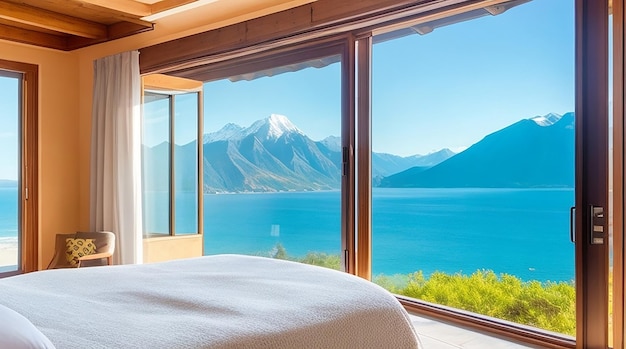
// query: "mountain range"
[[8, 183], [274, 155], [270, 155]]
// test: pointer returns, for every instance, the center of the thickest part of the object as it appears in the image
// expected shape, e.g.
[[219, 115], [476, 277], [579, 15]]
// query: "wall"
[[167, 248], [58, 141]]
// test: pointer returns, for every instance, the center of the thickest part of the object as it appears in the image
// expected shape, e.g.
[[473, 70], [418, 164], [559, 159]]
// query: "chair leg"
[[110, 260]]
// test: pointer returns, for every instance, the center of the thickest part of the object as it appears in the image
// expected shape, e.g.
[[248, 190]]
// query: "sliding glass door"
[[473, 164], [476, 136], [489, 166], [273, 160], [593, 217]]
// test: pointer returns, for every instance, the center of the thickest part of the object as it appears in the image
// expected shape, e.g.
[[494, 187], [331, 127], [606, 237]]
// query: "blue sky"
[[448, 88], [8, 128]]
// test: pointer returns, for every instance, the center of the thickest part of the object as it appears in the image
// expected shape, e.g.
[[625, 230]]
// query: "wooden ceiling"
[[71, 24]]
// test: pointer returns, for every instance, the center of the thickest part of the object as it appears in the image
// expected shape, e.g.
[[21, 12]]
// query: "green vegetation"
[[321, 259], [549, 305]]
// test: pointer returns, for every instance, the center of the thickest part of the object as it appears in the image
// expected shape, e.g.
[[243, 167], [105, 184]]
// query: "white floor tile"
[[439, 335]]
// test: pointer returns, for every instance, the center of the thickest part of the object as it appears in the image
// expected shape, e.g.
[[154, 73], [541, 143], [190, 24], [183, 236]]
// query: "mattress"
[[221, 301]]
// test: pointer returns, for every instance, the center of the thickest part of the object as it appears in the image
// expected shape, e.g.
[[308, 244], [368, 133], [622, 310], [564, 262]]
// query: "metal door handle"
[[572, 224]]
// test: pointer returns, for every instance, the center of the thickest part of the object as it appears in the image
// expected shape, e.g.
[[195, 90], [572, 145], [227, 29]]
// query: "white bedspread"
[[224, 301]]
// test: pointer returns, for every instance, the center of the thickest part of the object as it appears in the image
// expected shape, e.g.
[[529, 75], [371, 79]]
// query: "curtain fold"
[[115, 196]]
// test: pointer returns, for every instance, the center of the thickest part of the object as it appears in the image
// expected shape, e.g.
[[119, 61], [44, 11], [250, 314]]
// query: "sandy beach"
[[8, 251]]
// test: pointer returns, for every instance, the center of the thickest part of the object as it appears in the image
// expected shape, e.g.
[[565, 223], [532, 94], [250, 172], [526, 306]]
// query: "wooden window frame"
[[618, 11], [297, 53], [169, 88], [226, 47], [29, 168]]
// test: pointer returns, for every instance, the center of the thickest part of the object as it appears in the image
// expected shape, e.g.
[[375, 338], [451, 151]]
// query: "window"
[[18, 184], [170, 158], [9, 186], [156, 164], [376, 148], [273, 162], [473, 165]]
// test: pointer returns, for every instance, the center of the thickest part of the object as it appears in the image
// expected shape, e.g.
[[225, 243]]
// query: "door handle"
[[572, 224]]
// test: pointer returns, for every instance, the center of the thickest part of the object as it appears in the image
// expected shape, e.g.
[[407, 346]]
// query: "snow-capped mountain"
[[272, 127], [274, 155], [547, 120], [227, 132], [270, 155], [333, 143]]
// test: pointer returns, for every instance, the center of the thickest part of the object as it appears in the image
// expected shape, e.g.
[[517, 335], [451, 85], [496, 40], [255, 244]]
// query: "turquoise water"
[[524, 232], [8, 212]]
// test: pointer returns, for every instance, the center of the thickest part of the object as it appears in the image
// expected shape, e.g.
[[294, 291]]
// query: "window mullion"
[[172, 167], [364, 158]]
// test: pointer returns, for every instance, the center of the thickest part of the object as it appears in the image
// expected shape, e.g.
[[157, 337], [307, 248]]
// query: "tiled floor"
[[438, 335]]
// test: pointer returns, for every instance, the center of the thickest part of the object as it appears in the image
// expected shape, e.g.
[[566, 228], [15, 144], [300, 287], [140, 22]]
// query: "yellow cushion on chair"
[[77, 248]]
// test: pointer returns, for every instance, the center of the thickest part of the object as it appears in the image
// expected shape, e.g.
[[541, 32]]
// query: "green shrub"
[[321, 259], [550, 305]]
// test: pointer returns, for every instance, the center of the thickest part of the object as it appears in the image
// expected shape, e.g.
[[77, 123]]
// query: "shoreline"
[[8, 251]]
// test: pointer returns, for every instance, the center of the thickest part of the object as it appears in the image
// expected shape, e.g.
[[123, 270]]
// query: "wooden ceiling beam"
[[118, 12], [131, 7], [138, 9], [52, 21], [116, 31], [168, 5], [123, 29], [32, 37]]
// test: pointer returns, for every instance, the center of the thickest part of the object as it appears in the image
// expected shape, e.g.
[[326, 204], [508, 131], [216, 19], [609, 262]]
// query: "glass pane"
[[186, 163], [156, 164], [473, 163], [272, 170], [9, 173]]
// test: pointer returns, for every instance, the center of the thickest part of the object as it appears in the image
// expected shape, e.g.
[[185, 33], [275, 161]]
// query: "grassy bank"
[[547, 305]]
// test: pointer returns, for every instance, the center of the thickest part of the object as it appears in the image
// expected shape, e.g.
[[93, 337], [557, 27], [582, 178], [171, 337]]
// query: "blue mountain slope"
[[384, 164], [524, 154], [8, 183]]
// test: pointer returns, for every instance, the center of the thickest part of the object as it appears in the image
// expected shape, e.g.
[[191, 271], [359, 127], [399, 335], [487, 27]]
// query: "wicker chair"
[[104, 242]]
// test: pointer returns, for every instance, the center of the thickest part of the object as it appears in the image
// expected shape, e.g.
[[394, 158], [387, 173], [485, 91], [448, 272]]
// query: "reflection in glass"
[[186, 163], [156, 164]]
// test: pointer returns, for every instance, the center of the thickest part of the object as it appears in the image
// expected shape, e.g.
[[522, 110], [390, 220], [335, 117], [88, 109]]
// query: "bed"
[[221, 301]]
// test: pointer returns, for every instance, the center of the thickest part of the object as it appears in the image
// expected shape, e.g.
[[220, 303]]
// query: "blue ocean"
[[523, 232], [8, 213]]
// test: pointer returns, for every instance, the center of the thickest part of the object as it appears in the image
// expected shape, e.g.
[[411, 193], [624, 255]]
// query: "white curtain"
[[116, 154]]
